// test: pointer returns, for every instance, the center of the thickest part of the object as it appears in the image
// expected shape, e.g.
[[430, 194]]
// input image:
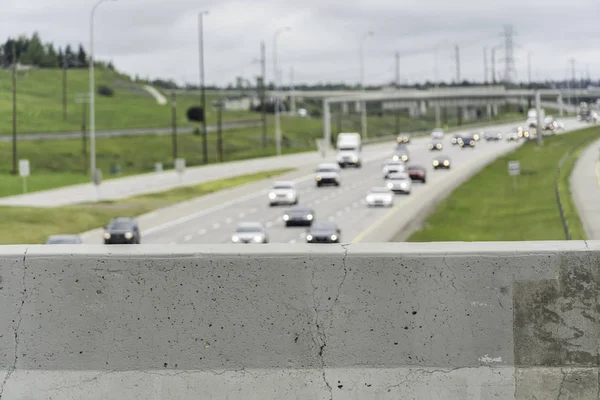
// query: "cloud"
[[159, 38]]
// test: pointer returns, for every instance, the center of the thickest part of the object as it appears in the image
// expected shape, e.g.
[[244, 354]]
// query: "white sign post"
[[24, 172], [514, 170], [180, 167]]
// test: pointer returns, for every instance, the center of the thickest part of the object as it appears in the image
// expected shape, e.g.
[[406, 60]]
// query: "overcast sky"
[[159, 38]]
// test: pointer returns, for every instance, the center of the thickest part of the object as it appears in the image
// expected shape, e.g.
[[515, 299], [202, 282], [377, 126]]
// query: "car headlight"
[[476, 137], [354, 159], [318, 178], [430, 146], [436, 163], [370, 198], [309, 237], [390, 185], [439, 146], [395, 158], [286, 217], [107, 235], [334, 237], [404, 158], [446, 163], [403, 185], [309, 217], [272, 196], [472, 143], [235, 239], [258, 239], [128, 235]]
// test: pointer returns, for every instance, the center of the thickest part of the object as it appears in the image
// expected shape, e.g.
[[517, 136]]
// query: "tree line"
[[32, 51]]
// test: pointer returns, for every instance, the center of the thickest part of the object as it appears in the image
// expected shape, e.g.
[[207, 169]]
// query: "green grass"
[[20, 225], [488, 208], [564, 179], [40, 109]]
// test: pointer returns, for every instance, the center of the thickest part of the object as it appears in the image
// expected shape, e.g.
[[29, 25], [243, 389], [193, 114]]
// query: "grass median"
[[28, 225], [493, 206]]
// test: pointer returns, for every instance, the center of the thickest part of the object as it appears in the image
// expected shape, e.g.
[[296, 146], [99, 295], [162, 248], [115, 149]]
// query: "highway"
[[212, 219], [585, 189]]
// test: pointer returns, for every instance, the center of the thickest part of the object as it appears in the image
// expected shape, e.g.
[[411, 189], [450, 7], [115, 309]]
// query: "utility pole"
[[397, 78], [84, 138], [457, 56], [174, 125], [65, 66], [14, 109], [529, 67], [202, 92], [263, 92], [292, 95], [219, 129], [485, 66], [573, 77]]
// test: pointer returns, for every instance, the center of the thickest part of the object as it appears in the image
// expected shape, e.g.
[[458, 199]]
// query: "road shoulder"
[[585, 189]]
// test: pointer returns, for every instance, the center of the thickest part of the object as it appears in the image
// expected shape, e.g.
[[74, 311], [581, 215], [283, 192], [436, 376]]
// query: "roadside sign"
[[98, 177], [180, 165], [514, 168], [24, 168], [158, 167]]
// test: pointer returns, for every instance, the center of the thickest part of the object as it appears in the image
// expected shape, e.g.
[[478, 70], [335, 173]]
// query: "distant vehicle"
[[492, 136], [437, 134], [454, 139], [299, 215], [532, 117], [392, 167], [283, 193], [349, 150], [417, 173], [399, 183], [401, 154], [323, 232], [442, 162], [466, 142], [512, 136], [549, 124], [476, 136], [302, 112], [250, 232], [585, 113], [64, 239], [328, 174], [560, 125], [403, 138], [435, 146], [122, 231], [380, 196]]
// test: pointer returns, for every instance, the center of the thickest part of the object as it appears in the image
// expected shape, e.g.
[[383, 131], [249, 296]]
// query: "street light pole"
[[202, 93], [363, 105], [92, 94], [276, 78]]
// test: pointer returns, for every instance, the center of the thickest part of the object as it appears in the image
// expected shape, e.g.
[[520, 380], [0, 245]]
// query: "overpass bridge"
[[355, 321]]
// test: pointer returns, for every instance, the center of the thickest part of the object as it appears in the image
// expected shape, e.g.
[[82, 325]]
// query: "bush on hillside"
[[106, 91]]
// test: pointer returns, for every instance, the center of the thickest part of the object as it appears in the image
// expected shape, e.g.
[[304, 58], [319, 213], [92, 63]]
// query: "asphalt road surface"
[[585, 188]]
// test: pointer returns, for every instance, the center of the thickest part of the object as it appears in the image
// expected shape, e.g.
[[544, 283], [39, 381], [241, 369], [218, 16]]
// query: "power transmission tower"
[[529, 67], [397, 58], [485, 66], [509, 59], [573, 77], [457, 57]]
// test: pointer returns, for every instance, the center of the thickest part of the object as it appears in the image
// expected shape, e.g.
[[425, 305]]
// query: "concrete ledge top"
[[279, 250]]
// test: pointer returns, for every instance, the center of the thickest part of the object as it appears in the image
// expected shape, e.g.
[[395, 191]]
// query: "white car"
[[250, 232], [283, 193], [380, 196], [512, 136], [328, 174], [393, 167], [399, 183], [437, 134]]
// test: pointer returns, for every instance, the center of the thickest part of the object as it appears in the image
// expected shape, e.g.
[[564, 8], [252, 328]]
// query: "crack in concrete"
[[562, 382], [345, 247]]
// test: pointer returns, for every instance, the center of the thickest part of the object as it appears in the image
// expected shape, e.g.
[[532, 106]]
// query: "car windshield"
[[120, 225], [348, 148], [327, 170], [248, 228], [283, 186], [324, 226]]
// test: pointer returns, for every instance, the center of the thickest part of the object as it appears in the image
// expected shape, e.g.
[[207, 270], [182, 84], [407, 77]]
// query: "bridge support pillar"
[[344, 108], [489, 111], [494, 110]]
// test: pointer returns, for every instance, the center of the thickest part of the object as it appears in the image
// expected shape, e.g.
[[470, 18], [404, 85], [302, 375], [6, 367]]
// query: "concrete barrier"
[[361, 321]]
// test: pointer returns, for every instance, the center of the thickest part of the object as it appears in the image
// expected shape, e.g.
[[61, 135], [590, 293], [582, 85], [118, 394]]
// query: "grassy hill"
[[39, 103]]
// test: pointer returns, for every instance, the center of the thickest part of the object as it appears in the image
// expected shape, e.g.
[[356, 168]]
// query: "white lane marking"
[[242, 215], [317, 201], [187, 238], [228, 220], [252, 211], [331, 218], [347, 208], [293, 241], [173, 243], [303, 235], [355, 204], [201, 231], [279, 219], [216, 226], [269, 224], [338, 213]]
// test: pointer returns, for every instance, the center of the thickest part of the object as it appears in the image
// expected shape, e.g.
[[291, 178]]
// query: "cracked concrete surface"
[[361, 321]]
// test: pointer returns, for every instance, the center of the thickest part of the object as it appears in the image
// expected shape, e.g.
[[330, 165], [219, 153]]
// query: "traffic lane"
[[328, 202], [585, 189]]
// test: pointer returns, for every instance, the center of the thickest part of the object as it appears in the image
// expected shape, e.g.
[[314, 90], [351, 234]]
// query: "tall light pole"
[[276, 78], [363, 105], [92, 93], [201, 14]]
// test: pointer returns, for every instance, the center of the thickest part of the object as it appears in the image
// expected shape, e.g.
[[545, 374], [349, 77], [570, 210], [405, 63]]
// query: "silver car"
[[283, 193], [399, 183], [380, 196], [328, 174], [392, 167], [250, 232]]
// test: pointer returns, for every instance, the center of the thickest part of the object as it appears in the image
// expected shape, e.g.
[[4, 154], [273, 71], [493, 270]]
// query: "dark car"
[[454, 139], [492, 136], [122, 231], [401, 154], [466, 142], [64, 239], [323, 232], [299, 215], [435, 146], [417, 173], [403, 138], [442, 162]]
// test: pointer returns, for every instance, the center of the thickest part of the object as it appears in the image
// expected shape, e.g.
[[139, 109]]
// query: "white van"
[[349, 149]]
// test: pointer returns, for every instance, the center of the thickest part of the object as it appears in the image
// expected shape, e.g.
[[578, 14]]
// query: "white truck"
[[349, 150], [532, 117]]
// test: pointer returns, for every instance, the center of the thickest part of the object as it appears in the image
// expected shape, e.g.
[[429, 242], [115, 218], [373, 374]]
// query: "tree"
[[50, 57], [60, 58], [82, 59], [70, 57], [35, 50]]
